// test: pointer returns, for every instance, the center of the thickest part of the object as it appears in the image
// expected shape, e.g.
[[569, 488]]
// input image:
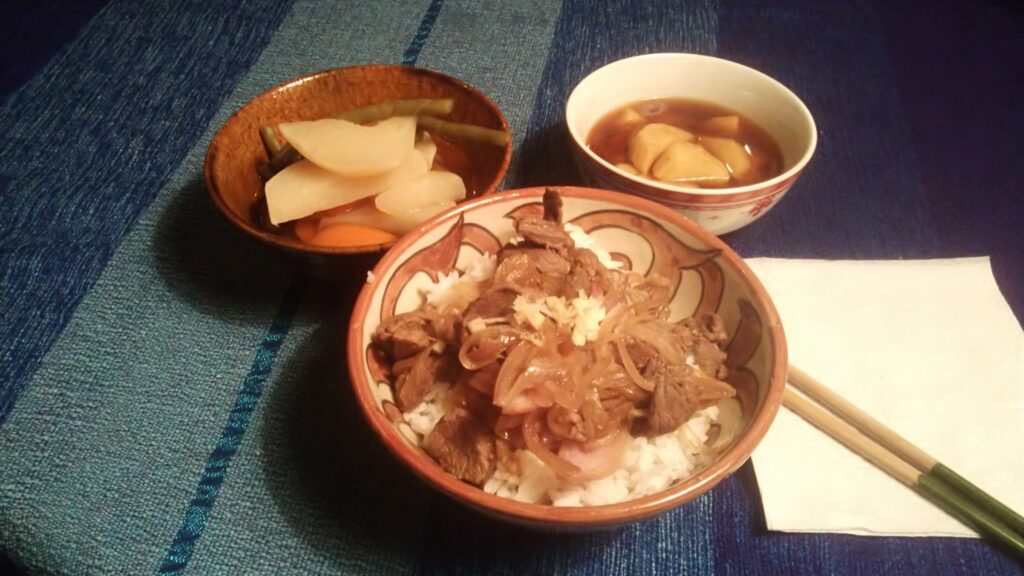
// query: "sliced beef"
[[587, 275], [463, 447], [552, 206], [710, 359], [496, 303], [544, 261], [545, 233], [592, 421], [404, 335], [679, 391], [673, 401], [642, 353], [702, 335], [479, 404], [481, 380], [530, 270], [415, 376], [706, 325], [415, 380], [615, 388]]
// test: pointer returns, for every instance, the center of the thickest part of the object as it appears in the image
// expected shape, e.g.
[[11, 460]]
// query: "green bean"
[[383, 110], [270, 141], [423, 109], [286, 155], [264, 171], [463, 131], [284, 158]]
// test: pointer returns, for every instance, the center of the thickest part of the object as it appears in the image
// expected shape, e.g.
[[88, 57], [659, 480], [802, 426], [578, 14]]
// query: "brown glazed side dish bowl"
[[236, 150], [646, 237]]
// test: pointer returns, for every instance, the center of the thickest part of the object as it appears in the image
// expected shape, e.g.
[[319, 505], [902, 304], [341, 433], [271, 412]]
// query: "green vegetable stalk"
[[463, 131], [425, 111], [383, 110], [270, 141]]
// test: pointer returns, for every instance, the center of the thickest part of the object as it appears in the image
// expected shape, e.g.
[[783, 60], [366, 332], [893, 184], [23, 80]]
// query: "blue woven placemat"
[[172, 396]]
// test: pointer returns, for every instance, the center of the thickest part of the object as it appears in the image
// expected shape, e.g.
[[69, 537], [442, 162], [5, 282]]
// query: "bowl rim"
[[791, 172], [293, 244], [538, 514]]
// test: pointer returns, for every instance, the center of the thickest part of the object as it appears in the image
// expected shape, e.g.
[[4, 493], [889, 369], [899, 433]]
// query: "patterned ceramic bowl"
[[644, 236], [765, 101], [236, 150]]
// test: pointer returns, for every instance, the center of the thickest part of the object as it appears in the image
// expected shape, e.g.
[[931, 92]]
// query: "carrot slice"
[[344, 208], [349, 235], [306, 228]]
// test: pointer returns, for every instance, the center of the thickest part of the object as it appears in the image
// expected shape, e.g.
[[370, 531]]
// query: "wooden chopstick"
[[902, 460], [901, 446]]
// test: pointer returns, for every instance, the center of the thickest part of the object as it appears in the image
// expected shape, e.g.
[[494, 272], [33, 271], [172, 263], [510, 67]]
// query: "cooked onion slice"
[[486, 346], [515, 363], [627, 363], [531, 435], [661, 338], [596, 462]]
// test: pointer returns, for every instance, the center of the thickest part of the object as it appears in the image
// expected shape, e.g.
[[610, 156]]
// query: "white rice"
[[650, 464], [435, 405]]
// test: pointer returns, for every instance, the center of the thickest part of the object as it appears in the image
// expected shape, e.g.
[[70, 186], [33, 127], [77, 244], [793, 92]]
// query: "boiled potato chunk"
[[628, 168], [304, 188], [397, 224], [350, 149], [630, 118], [727, 126], [431, 188], [650, 141], [685, 162], [731, 152]]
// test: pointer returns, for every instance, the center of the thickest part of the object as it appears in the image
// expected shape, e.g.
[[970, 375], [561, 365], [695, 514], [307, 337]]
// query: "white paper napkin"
[[931, 349]]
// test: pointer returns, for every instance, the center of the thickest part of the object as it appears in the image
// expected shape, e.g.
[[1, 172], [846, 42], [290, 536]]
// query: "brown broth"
[[609, 137]]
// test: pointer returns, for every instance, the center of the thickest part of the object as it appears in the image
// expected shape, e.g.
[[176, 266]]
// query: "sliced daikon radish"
[[350, 149], [430, 188], [731, 152], [427, 147], [650, 141], [686, 162], [397, 224], [304, 188], [728, 126]]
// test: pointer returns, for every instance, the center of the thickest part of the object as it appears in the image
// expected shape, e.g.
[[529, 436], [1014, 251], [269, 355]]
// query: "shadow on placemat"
[[213, 267], [546, 160], [329, 476]]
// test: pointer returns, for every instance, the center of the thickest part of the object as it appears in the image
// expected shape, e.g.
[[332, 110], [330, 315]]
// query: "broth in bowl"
[[764, 102], [686, 142]]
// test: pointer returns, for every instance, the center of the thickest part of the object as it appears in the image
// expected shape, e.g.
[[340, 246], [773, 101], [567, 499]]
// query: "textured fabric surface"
[[32, 32], [172, 396], [89, 143]]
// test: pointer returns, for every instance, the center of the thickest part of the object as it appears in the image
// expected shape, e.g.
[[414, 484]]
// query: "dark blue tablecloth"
[[146, 346]]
